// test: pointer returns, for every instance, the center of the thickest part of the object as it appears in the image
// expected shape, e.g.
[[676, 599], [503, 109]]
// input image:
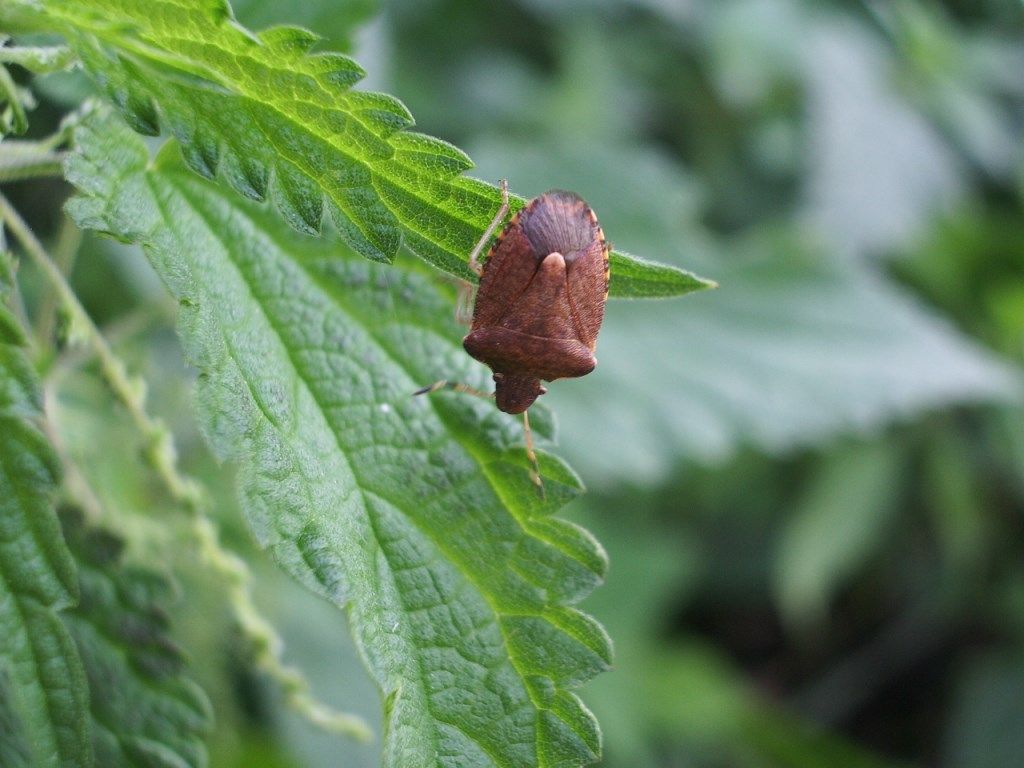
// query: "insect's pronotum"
[[540, 302]]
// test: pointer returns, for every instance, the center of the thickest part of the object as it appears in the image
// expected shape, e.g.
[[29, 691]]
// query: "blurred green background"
[[811, 481]]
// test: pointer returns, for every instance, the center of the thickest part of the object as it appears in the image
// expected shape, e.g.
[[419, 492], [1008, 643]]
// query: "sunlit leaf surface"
[[43, 687]]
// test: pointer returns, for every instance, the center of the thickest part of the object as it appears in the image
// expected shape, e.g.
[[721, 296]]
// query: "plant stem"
[[162, 457], [40, 60], [22, 163], [69, 239], [9, 93]]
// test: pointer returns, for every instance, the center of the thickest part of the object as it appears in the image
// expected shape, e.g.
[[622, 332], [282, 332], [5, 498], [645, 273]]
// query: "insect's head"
[[514, 394]]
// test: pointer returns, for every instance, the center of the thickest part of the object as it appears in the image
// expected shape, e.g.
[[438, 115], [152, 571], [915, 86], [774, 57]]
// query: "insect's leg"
[[499, 216], [531, 455], [445, 384]]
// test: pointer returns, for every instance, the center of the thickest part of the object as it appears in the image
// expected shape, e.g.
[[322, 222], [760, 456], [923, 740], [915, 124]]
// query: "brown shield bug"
[[540, 301]]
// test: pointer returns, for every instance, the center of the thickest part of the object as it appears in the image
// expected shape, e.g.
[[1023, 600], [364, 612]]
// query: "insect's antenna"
[[498, 217], [531, 455], [453, 385]]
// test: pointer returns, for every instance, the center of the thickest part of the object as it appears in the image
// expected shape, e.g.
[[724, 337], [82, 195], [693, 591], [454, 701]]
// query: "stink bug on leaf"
[[540, 302]]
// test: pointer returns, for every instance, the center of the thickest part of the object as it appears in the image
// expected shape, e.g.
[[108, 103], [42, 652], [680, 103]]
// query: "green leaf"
[[417, 514], [835, 527], [13, 102], [986, 714], [273, 119], [633, 277], [144, 712], [15, 749], [793, 351], [46, 710]]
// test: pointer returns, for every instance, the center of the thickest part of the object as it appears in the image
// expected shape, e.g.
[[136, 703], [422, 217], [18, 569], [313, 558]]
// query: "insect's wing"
[[563, 222], [547, 303], [507, 272], [588, 289]]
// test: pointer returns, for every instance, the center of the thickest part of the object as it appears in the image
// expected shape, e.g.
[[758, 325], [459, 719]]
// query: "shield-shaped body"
[[541, 299]]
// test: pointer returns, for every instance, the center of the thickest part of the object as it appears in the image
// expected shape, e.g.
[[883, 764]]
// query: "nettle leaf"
[[273, 119], [15, 750], [44, 688], [417, 514], [144, 712]]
